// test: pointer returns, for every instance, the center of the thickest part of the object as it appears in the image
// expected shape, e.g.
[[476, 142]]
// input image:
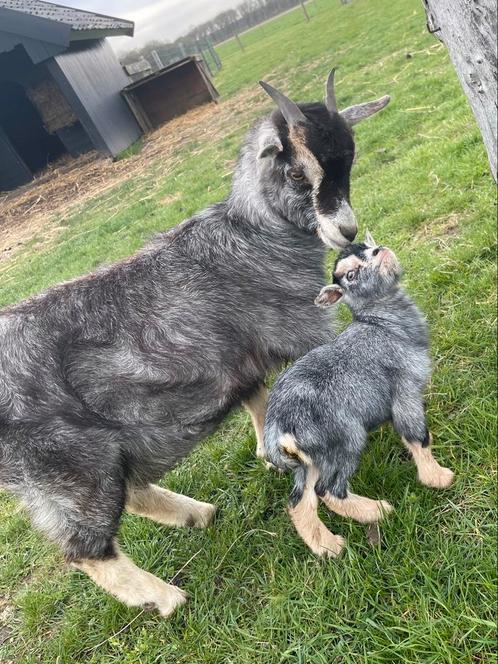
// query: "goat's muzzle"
[[339, 229]]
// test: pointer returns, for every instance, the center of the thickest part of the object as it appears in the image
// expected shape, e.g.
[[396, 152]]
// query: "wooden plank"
[[13, 170]]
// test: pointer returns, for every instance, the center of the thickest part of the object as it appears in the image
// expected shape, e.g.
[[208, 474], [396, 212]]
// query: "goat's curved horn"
[[290, 110], [330, 101]]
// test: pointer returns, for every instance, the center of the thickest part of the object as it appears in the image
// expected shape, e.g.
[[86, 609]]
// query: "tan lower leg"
[[133, 586], [305, 518], [429, 471], [256, 407], [364, 510], [169, 508]]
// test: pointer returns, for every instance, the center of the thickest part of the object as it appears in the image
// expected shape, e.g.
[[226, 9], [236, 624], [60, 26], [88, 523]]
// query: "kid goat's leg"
[[359, 508], [429, 471], [171, 509], [333, 490], [302, 510], [408, 416], [256, 406]]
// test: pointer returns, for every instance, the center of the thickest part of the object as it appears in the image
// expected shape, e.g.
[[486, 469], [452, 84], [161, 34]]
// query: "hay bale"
[[55, 111]]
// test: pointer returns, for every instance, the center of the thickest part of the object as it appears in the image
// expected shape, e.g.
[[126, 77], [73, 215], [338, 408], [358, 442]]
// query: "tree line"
[[223, 26]]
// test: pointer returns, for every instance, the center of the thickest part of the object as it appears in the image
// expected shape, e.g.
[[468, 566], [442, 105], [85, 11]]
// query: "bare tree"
[[468, 29]]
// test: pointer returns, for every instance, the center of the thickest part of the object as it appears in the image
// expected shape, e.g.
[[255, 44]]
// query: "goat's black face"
[[306, 152]]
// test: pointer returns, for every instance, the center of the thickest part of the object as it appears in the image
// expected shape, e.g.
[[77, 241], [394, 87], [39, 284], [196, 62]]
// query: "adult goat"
[[108, 380]]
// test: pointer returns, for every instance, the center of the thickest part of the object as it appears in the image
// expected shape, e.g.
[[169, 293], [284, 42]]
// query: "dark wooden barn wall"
[[20, 121], [172, 93], [91, 79], [13, 171]]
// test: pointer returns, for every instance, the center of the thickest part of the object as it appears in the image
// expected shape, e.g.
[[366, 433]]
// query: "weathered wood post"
[[239, 42], [305, 11], [468, 29]]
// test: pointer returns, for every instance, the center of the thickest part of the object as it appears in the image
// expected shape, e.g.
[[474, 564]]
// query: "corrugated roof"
[[78, 19]]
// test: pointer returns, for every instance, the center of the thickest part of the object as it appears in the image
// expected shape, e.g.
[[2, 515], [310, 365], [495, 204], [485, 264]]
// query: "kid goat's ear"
[[369, 241], [328, 296]]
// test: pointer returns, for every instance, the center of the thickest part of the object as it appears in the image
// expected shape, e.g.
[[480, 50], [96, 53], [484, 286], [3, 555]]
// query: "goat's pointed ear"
[[369, 241], [269, 144], [359, 112], [328, 296]]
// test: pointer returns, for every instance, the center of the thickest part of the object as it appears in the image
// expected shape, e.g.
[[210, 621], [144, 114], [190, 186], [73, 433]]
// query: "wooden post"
[[239, 42], [468, 29], [305, 11]]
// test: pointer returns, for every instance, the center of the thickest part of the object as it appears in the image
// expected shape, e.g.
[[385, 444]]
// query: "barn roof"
[[83, 24]]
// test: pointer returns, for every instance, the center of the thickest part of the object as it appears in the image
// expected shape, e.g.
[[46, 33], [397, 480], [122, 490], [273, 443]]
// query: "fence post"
[[239, 42], [214, 54]]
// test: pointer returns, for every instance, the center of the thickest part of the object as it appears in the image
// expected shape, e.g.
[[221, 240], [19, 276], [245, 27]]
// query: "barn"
[[60, 87]]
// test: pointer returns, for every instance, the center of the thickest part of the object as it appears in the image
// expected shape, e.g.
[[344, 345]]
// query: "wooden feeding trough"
[[172, 91]]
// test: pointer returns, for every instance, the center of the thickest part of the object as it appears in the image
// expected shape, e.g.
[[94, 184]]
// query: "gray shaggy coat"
[[108, 380]]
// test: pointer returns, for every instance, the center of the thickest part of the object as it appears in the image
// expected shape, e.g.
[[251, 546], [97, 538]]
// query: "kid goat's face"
[[365, 271]]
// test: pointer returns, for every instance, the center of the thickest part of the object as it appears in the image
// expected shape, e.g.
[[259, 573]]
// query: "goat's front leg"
[[429, 471], [408, 415], [256, 407], [169, 508]]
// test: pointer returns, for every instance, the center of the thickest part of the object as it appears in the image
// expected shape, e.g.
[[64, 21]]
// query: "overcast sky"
[[154, 19]]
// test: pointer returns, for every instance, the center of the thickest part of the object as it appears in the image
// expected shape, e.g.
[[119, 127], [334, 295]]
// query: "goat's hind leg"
[[302, 510], [119, 576], [84, 526], [168, 508], [359, 508], [333, 487]]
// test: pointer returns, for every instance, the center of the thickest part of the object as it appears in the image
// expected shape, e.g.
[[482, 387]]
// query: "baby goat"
[[322, 408]]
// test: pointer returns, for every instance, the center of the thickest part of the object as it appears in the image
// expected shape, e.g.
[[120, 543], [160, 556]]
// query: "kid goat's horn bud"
[[289, 109]]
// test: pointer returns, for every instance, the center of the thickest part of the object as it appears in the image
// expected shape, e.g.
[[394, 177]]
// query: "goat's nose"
[[349, 232]]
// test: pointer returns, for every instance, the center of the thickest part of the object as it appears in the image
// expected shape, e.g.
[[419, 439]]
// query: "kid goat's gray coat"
[[108, 380], [322, 408]]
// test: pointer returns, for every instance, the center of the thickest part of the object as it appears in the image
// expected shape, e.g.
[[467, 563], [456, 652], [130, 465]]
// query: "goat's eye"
[[375, 251], [297, 175], [350, 275]]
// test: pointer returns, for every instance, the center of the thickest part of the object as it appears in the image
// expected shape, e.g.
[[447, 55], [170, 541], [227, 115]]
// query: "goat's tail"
[[283, 449]]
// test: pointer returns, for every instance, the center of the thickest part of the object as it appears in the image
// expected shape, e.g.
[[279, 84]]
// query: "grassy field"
[[427, 593]]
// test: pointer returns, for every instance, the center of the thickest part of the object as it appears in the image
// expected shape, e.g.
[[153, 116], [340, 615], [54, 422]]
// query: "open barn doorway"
[[23, 126]]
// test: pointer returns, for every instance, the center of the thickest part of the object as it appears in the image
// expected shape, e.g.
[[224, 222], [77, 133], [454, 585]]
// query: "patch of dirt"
[[440, 230], [38, 208], [167, 200], [6, 615]]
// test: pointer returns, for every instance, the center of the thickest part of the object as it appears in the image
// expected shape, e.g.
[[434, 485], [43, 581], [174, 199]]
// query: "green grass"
[[427, 595], [133, 149]]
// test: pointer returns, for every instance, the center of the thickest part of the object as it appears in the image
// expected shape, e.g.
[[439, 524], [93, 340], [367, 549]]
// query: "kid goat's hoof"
[[437, 478], [330, 545], [375, 511]]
